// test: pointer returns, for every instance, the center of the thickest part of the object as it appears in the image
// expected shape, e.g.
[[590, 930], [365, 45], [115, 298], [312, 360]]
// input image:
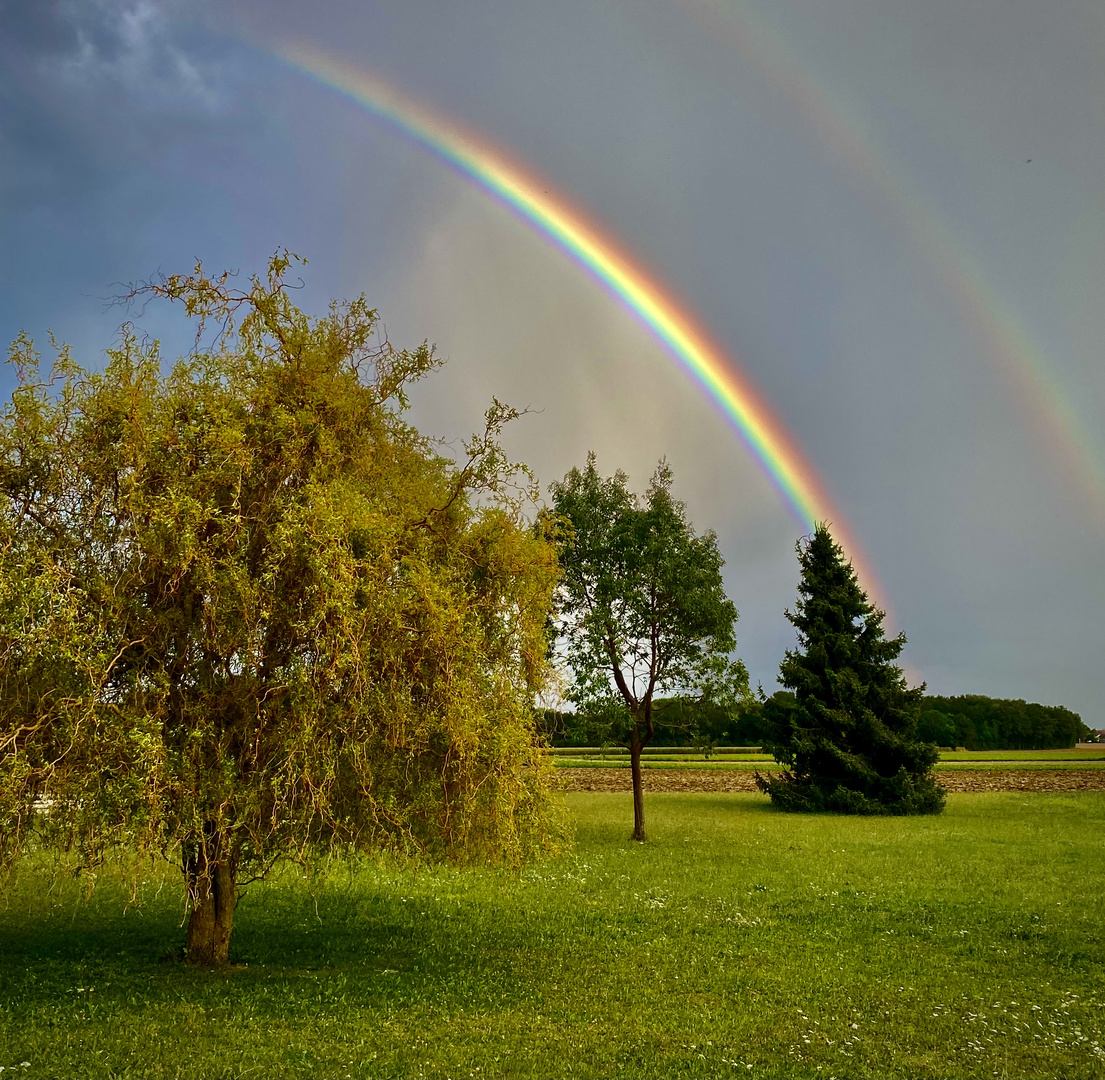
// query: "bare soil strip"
[[744, 780]]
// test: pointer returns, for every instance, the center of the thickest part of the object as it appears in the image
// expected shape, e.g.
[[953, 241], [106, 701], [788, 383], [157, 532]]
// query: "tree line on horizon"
[[970, 721]]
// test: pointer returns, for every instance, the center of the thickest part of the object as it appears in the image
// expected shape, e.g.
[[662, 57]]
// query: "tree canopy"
[[248, 612], [642, 609], [847, 732]]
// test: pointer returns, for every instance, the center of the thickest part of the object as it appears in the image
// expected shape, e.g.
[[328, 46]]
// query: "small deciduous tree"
[[847, 732], [248, 612], [642, 609]]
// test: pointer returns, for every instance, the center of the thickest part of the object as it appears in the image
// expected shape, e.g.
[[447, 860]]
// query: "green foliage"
[[642, 609], [846, 734], [642, 605], [688, 722], [983, 723], [247, 611], [935, 727]]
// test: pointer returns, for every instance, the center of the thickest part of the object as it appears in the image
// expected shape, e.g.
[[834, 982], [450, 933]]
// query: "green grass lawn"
[[739, 942]]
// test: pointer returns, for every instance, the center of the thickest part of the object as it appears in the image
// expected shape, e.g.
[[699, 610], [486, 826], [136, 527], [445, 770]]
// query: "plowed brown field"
[[744, 780]]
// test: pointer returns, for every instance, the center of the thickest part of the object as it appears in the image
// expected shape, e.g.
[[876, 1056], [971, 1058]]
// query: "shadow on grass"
[[293, 950]]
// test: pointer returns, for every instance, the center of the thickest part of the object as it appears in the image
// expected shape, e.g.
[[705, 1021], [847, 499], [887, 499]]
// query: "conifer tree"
[[846, 733]]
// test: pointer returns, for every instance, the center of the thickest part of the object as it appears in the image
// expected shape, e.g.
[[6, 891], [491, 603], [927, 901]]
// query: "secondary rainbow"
[[1061, 427], [529, 198]]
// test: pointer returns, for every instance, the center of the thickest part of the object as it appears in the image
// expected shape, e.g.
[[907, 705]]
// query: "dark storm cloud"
[[33, 29], [91, 88], [129, 136]]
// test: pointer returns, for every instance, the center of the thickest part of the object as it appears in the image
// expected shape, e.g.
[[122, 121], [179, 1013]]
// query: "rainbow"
[[688, 343]]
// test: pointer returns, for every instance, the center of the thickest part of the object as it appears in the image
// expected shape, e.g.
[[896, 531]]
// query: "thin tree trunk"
[[212, 893], [635, 746]]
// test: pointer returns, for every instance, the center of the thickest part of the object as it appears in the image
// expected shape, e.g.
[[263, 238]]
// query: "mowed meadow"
[[738, 942]]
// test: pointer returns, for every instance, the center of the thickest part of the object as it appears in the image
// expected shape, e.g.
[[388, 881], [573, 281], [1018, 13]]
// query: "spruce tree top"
[[841, 632]]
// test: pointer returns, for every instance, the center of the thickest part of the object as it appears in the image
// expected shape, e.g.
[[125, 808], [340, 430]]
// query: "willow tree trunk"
[[635, 748], [212, 893]]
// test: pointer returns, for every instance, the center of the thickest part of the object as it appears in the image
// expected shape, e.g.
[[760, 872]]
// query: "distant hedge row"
[[679, 724], [983, 723], [648, 751], [971, 720]]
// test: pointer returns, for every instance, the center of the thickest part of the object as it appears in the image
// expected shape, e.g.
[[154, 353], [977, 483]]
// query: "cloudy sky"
[[890, 217]]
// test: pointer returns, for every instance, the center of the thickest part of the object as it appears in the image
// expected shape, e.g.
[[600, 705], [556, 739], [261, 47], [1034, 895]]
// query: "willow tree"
[[642, 610], [247, 612]]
